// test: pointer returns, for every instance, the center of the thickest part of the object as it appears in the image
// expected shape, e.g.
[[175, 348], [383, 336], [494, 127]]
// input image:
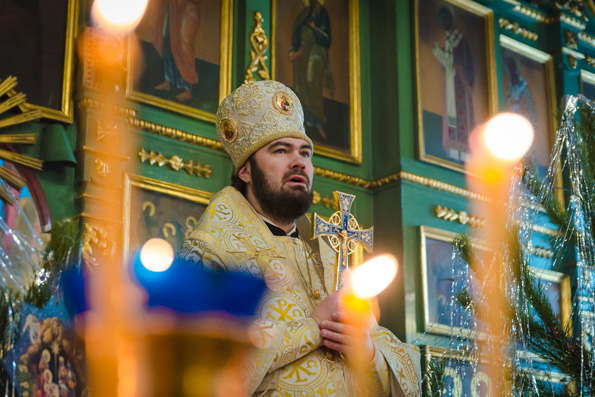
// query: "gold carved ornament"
[[13, 100], [260, 45], [515, 28], [584, 37], [464, 218], [176, 163], [326, 200]]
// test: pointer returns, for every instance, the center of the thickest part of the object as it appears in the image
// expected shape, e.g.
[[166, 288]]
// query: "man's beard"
[[283, 205]]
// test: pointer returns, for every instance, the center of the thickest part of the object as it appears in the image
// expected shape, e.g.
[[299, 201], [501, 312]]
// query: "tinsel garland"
[[540, 345]]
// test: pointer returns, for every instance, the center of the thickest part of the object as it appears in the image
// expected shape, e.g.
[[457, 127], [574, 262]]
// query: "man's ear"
[[244, 173]]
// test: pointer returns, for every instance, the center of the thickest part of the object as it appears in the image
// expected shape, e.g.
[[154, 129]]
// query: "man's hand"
[[338, 334], [325, 309]]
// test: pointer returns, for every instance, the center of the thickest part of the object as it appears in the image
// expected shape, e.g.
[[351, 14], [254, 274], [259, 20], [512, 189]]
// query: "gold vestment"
[[289, 359]]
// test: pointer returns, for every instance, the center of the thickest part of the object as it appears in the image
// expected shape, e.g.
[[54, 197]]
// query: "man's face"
[[280, 176]]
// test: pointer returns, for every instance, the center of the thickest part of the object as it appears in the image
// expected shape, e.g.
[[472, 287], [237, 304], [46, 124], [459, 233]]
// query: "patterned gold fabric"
[[258, 113], [289, 359]]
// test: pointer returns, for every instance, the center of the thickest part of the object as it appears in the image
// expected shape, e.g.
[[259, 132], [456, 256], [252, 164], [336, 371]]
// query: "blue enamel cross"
[[343, 232]]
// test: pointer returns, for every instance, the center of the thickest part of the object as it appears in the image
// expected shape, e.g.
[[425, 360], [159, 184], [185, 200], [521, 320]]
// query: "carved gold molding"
[[445, 187], [582, 36], [153, 128], [590, 60], [176, 163], [535, 15], [338, 176], [448, 214], [575, 23], [94, 104], [174, 133], [327, 201], [515, 28], [403, 175], [96, 240], [260, 45]]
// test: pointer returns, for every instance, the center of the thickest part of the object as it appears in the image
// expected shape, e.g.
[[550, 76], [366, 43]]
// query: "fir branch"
[[548, 200], [462, 243], [435, 376]]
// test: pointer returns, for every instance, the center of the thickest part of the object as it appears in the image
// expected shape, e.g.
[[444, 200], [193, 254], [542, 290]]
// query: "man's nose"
[[298, 161]]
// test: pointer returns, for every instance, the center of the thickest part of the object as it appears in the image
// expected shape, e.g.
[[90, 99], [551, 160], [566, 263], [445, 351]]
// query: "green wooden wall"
[[398, 204]]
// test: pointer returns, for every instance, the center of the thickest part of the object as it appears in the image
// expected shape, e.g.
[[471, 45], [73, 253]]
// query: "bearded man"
[[303, 339]]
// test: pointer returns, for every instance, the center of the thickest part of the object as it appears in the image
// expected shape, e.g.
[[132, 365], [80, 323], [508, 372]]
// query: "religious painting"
[[469, 376], [185, 57], [529, 90], [557, 289], [38, 49], [47, 358], [315, 51], [456, 78], [443, 277], [155, 208], [588, 84], [462, 376]]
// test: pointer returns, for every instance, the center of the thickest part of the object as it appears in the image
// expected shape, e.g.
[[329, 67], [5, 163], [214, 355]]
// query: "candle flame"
[[157, 255], [372, 277], [119, 16], [508, 136]]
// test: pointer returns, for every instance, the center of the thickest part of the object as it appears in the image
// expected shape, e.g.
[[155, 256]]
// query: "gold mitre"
[[258, 113]]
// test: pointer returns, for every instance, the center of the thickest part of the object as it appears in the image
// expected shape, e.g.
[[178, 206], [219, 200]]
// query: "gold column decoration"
[[176, 163], [570, 39], [260, 45], [96, 240], [515, 28], [590, 60]]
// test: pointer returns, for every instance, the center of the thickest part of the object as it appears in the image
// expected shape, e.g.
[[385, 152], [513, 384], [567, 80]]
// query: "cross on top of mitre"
[[343, 232]]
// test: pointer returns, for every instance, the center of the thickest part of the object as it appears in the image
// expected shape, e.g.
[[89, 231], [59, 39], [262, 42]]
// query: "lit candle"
[[496, 149], [366, 281], [113, 348]]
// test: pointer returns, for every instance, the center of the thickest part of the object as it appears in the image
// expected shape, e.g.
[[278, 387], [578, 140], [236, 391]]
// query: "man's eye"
[[280, 151], [306, 154]]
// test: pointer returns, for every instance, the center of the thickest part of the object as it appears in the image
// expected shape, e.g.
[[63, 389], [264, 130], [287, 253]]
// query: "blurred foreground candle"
[[366, 281], [114, 348], [496, 148]]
